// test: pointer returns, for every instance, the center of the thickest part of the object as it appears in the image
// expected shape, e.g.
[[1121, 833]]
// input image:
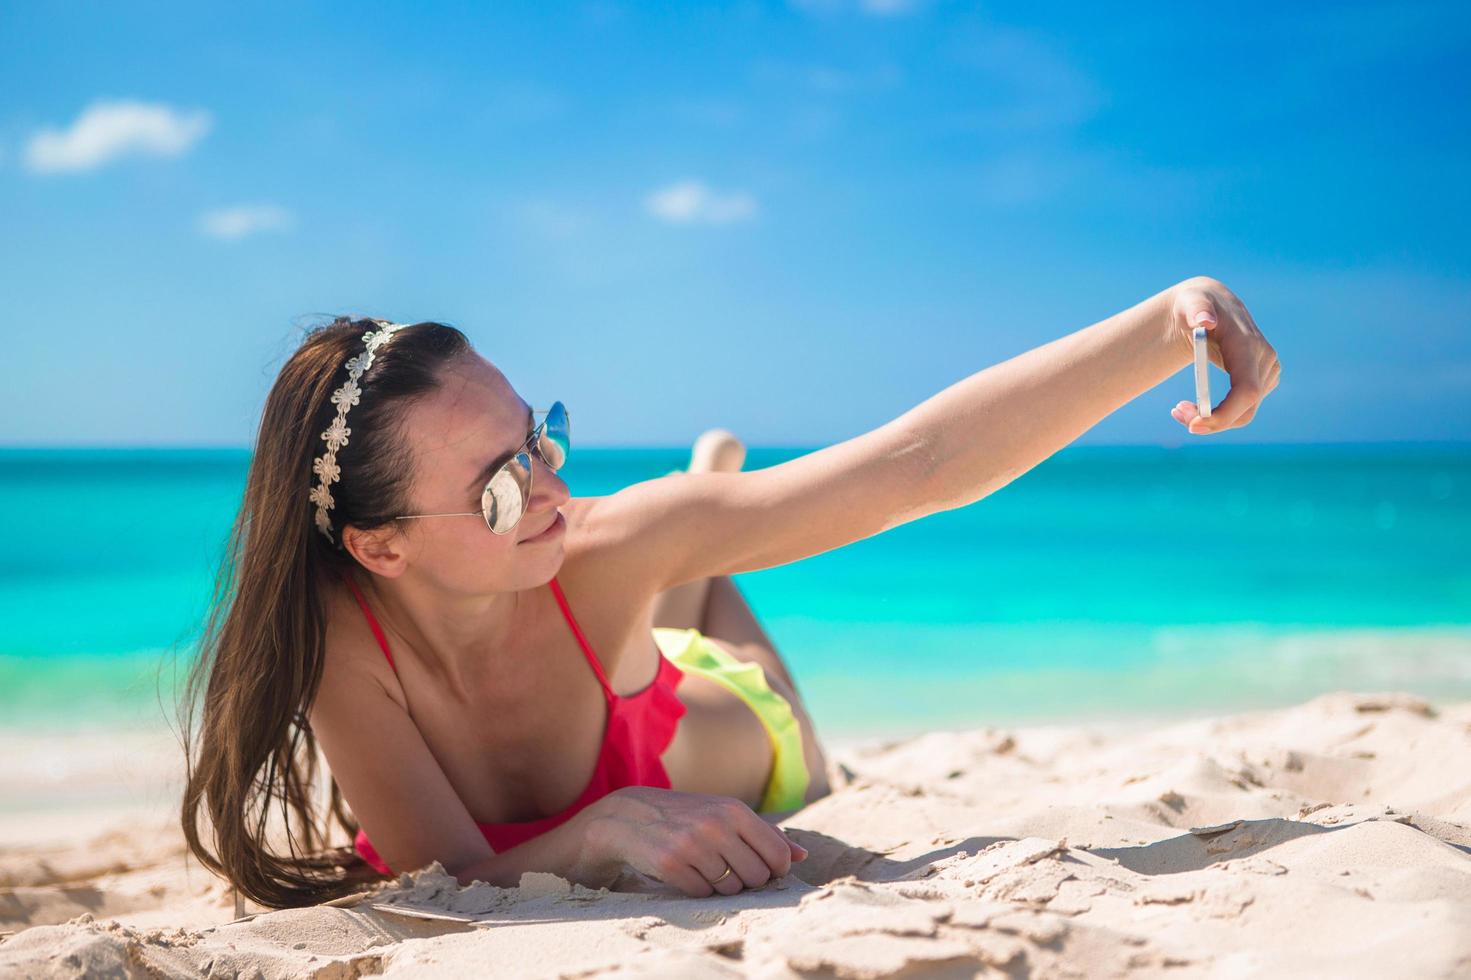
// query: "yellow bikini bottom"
[[692, 651]]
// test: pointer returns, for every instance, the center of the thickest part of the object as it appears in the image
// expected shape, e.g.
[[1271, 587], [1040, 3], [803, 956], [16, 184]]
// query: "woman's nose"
[[547, 480]]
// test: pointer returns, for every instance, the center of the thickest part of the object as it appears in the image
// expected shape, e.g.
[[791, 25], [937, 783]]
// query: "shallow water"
[[1107, 581]]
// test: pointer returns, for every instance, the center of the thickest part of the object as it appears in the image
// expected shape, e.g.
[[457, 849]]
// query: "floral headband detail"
[[325, 465]]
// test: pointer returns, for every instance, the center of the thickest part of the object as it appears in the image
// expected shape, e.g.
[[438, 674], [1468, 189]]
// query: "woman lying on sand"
[[410, 587]]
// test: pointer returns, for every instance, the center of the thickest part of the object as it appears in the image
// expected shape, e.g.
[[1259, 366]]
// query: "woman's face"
[[457, 436]]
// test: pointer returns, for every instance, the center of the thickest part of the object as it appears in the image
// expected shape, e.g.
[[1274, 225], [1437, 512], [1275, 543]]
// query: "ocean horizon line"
[[1233, 446]]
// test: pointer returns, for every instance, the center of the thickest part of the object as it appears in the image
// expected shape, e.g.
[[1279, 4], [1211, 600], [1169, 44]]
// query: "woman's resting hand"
[[1236, 346], [687, 839]]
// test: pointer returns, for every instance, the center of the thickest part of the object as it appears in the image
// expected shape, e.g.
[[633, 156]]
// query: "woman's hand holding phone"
[[1211, 321]]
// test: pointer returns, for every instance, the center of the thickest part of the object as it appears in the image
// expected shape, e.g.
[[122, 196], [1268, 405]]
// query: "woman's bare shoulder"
[[591, 556], [352, 655], [603, 533], [612, 606], [583, 542]]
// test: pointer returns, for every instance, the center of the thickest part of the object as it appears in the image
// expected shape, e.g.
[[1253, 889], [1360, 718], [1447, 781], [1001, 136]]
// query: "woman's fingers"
[[712, 862], [1241, 401], [689, 840], [749, 866], [1185, 412], [682, 875], [1197, 309], [1249, 386], [773, 847], [753, 850], [1235, 344], [1242, 360], [1243, 395]]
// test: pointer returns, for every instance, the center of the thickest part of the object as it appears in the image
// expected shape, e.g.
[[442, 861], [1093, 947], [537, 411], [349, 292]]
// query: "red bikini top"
[[639, 727]]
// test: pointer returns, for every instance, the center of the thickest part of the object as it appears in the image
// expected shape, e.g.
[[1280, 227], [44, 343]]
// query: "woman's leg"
[[716, 451], [716, 608], [728, 617]]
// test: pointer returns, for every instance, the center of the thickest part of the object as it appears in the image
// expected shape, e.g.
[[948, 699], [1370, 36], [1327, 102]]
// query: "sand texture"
[[1329, 839]]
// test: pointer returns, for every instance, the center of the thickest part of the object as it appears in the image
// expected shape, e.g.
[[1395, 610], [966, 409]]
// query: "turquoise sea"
[[1106, 582]]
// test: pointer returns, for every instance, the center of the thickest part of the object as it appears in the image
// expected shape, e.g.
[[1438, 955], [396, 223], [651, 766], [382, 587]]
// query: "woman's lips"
[[552, 530]]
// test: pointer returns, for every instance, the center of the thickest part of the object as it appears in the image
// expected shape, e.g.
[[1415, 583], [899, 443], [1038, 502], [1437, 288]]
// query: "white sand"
[[1328, 839]]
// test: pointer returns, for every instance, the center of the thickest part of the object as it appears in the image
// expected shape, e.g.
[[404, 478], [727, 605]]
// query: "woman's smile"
[[554, 529]]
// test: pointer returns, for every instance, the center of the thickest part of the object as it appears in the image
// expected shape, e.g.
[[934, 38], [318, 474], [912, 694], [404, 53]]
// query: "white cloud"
[[109, 129], [690, 202], [231, 224]]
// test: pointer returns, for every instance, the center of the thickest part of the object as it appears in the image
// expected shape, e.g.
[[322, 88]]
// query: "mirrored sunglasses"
[[504, 499]]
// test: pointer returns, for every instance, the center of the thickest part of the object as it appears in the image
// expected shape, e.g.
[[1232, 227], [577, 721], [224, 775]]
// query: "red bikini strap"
[[377, 630], [582, 640]]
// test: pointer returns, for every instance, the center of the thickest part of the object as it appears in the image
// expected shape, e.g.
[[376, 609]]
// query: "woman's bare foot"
[[717, 451], [682, 607]]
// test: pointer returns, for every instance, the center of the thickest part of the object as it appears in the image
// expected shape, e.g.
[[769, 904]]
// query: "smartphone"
[[1202, 375]]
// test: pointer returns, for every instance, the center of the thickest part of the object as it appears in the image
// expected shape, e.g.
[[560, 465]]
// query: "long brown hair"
[[252, 761]]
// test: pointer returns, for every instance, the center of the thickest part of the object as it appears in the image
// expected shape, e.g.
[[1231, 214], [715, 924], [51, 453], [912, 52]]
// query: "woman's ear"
[[380, 550]]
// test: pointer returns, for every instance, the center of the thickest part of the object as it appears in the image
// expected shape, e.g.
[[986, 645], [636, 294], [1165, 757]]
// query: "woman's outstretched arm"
[[988, 429], [956, 447]]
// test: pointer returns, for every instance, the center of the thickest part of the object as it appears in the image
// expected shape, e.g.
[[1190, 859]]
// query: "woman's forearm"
[[988, 429], [567, 850]]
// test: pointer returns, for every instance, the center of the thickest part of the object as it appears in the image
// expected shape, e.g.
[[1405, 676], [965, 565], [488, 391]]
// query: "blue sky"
[[795, 221]]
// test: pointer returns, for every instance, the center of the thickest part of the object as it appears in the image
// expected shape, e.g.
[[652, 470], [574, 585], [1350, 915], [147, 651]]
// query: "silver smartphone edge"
[[1202, 375]]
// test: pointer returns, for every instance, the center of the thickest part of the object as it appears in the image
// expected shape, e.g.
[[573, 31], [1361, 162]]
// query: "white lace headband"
[[325, 465]]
